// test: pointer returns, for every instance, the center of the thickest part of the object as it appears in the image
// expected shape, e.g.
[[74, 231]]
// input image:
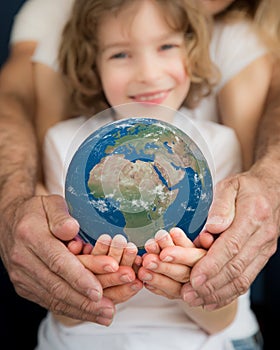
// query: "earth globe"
[[136, 175]]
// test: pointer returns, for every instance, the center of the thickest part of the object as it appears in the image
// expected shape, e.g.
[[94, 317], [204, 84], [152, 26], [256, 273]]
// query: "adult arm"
[[40, 266], [246, 210]]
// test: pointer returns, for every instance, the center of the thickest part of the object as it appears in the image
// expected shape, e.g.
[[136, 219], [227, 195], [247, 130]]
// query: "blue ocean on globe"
[[136, 176]]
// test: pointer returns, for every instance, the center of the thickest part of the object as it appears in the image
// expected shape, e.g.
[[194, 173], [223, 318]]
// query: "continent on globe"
[[136, 176], [138, 191]]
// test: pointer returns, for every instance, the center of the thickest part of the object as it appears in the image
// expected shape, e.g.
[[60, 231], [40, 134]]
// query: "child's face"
[[214, 7], [141, 59]]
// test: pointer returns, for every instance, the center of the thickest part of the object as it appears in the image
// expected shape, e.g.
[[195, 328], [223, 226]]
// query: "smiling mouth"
[[151, 97]]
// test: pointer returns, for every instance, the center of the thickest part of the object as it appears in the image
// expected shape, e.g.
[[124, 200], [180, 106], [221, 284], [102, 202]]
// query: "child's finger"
[[180, 238], [163, 239], [151, 246], [129, 254], [180, 255], [102, 245], [87, 248], [121, 293], [160, 284], [75, 246], [117, 247], [177, 272], [100, 264], [122, 276]]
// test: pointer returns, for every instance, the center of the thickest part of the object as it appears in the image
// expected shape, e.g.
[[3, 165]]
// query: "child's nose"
[[149, 68]]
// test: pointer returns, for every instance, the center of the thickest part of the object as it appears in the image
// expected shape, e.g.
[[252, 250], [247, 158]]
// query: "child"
[[142, 52]]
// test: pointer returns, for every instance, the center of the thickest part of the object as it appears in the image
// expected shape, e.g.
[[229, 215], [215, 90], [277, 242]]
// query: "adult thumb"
[[61, 224]]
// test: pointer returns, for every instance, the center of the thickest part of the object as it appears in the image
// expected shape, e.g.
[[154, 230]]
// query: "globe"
[[136, 176]]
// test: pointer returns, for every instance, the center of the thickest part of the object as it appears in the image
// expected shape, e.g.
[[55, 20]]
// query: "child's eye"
[[119, 55], [167, 47]]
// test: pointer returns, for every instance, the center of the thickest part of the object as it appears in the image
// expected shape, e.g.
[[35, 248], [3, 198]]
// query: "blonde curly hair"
[[79, 49]]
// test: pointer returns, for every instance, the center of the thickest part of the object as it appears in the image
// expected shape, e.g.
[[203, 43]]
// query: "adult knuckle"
[[233, 246], [57, 290], [88, 307], [262, 208], [58, 306], [242, 284], [15, 276], [235, 268], [271, 235], [56, 263], [209, 288]]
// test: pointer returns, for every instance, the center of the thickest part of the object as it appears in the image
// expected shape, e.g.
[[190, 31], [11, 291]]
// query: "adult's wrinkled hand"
[[41, 267], [244, 220]]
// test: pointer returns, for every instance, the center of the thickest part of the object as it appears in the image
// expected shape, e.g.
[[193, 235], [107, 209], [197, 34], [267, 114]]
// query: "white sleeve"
[[47, 49], [234, 46], [36, 17], [56, 146]]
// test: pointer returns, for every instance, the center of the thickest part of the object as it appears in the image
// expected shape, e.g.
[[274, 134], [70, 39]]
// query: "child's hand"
[[168, 262], [113, 262]]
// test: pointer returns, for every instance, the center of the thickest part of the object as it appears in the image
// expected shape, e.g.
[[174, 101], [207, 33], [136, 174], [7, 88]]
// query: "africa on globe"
[[136, 176]]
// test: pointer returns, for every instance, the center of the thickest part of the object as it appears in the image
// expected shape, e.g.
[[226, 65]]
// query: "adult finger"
[[235, 277], [57, 294], [222, 209], [61, 224], [58, 259], [230, 255], [41, 267]]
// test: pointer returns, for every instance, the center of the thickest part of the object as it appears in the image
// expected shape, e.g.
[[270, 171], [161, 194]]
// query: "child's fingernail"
[[167, 259]]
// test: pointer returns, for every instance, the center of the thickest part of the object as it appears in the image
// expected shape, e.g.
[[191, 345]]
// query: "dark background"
[[8, 8]]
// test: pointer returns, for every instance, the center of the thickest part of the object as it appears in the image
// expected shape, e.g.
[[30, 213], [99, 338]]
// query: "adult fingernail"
[[103, 321], [215, 220], [94, 295], [107, 312], [198, 281], [210, 307], [192, 299]]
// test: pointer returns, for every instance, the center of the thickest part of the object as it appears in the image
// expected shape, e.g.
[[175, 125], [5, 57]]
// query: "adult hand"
[[41, 267], [245, 217]]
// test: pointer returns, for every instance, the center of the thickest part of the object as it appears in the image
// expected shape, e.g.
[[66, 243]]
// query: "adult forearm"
[[267, 165], [18, 153], [268, 140]]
